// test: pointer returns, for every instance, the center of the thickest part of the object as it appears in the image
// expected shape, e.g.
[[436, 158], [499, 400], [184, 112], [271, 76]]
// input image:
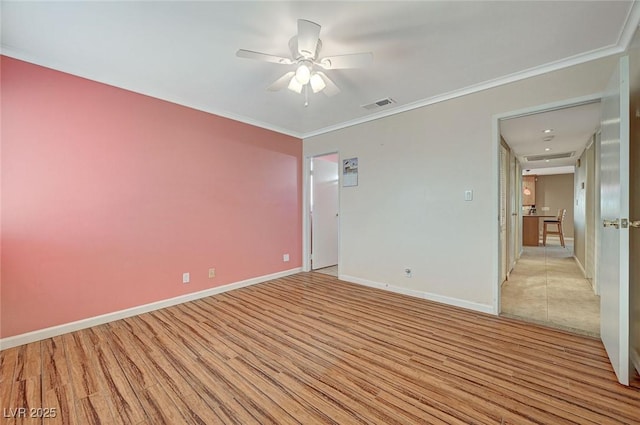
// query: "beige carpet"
[[547, 287]]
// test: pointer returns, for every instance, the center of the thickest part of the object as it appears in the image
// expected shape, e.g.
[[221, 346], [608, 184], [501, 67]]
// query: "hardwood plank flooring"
[[311, 349]]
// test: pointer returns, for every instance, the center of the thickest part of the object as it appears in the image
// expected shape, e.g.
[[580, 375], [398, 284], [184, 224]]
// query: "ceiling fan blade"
[[248, 54], [308, 34], [355, 60], [331, 89], [281, 82]]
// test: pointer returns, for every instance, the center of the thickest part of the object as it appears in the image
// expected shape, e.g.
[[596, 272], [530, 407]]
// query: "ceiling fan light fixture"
[[317, 83], [303, 74], [294, 85], [307, 75]]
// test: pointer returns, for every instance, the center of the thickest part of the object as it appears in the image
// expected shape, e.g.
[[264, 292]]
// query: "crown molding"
[[531, 72], [624, 39], [631, 25], [9, 52]]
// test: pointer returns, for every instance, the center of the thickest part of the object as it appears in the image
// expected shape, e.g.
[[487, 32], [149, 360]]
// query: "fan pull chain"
[[306, 95]]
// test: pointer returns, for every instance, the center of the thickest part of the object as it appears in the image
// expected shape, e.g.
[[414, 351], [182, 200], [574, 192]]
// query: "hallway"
[[547, 287]]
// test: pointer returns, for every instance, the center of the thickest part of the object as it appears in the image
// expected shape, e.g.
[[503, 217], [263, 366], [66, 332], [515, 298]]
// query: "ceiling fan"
[[305, 49]]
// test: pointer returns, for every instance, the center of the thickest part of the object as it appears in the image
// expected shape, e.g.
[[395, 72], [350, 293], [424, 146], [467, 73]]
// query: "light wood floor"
[[310, 349]]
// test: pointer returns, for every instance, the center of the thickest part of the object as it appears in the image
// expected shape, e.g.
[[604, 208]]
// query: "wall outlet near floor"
[[285, 257], [186, 277], [212, 273], [407, 272]]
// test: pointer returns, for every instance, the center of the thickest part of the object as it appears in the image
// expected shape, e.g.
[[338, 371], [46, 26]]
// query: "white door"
[[613, 261], [324, 212]]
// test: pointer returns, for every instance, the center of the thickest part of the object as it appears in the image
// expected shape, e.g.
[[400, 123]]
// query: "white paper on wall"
[[350, 172]]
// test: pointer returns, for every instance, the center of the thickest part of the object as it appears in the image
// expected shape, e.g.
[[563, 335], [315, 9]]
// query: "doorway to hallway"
[[551, 285]]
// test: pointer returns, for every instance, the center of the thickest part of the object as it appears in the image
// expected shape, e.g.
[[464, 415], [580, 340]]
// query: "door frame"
[[495, 168], [593, 227], [306, 208], [504, 215]]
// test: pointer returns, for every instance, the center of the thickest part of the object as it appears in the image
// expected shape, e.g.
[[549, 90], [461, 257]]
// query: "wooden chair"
[[558, 222]]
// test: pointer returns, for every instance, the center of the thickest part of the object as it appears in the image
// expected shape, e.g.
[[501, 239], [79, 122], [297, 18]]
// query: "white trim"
[[306, 210], [551, 106], [496, 82], [7, 51], [635, 359], [456, 302], [625, 37], [306, 213], [584, 273], [14, 341], [597, 216], [495, 170], [630, 26], [494, 242]]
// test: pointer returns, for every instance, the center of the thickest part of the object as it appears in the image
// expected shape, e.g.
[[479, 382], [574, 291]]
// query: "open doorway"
[[323, 212], [549, 182]]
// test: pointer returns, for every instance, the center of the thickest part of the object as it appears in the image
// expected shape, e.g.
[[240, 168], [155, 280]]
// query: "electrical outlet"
[[186, 277], [285, 257], [407, 272], [212, 273]]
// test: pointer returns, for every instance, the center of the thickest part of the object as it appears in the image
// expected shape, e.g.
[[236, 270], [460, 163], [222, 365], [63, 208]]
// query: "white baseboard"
[[584, 273], [469, 305], [14, 341], [635, 359]]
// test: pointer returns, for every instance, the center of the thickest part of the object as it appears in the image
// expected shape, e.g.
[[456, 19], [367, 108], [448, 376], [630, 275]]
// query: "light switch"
[[468, 195]]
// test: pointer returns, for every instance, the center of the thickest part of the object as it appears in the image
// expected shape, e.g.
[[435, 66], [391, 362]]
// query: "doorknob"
[[611, 223]]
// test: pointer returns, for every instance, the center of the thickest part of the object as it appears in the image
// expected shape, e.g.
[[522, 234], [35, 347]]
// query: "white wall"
[[409, 210], [583, 213], [556, 191]]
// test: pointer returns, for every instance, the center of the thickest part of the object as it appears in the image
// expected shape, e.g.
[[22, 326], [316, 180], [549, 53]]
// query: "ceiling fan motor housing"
[[293, 47]]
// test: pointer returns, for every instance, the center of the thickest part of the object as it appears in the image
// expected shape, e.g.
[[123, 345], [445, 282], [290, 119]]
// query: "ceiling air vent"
[[550, 156], [379, 103]]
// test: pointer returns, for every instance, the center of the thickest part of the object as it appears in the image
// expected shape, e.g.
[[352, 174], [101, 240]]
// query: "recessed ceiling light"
[[547, 149], [548, 130], [548, 138], [546, 160]]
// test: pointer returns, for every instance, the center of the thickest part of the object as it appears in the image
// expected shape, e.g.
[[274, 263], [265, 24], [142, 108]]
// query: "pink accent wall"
[[109, 196]]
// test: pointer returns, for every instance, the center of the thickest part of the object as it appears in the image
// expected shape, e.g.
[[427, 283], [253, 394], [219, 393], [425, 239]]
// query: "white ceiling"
[[571, 130], [424, 51]]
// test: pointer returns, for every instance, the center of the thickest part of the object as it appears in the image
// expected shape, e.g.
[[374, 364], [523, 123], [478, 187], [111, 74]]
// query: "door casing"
[[496, 243], [306, 210]]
